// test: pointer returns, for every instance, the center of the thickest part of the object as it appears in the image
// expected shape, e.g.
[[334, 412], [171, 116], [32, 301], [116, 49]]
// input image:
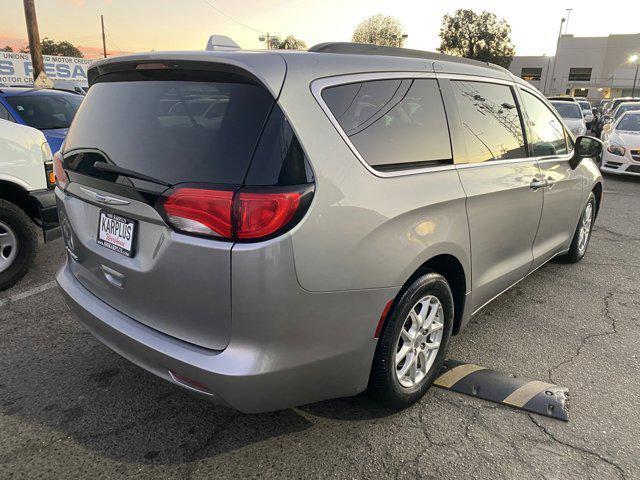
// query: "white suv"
[[27, 198]]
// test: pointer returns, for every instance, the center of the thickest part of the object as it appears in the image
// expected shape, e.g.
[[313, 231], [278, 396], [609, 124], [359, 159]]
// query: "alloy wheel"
[[585, 228], [8, 246], [419, 341]]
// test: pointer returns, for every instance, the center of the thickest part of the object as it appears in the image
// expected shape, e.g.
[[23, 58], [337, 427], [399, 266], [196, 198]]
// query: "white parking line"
[[28, 293]]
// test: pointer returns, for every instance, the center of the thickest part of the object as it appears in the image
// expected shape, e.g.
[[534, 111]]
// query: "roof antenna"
[[221, 42]]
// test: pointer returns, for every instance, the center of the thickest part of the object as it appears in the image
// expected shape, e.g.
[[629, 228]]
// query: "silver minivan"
[[270, 229]]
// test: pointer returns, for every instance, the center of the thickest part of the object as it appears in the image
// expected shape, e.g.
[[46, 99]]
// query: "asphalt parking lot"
[[71, 408]]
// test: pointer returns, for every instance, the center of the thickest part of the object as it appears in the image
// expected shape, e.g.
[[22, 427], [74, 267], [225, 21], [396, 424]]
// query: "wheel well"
[[18, 196], [597, 191], [450, 268]]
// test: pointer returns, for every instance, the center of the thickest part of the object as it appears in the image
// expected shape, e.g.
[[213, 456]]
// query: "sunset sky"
[[141, 25]]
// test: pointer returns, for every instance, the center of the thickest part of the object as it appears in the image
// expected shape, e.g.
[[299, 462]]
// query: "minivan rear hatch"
[[167, 125]]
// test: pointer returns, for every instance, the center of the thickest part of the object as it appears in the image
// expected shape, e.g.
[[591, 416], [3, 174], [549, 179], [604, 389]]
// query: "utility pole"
[[555, 60], [35, 47], [104, 39]]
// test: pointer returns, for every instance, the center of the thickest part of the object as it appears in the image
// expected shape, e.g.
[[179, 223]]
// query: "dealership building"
[[593, 67]]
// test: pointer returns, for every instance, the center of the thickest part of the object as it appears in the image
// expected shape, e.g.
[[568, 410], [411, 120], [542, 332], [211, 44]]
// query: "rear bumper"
[[45, 200], [250, 375]]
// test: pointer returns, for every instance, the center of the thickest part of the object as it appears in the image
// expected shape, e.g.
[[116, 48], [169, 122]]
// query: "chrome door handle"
[[537, 183]]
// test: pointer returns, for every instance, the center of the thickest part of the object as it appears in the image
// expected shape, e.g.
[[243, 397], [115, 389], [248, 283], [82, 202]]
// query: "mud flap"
[[530, 395]]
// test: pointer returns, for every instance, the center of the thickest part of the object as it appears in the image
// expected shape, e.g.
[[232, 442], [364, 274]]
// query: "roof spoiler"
[[221, 42]]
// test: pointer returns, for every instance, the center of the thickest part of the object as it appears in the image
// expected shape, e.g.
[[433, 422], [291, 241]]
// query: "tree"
[[481, 36], [289, 43], [380, 30], [63, 48], [6, 49], [292, 43]]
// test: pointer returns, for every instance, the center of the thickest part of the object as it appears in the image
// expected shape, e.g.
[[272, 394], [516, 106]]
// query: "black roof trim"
[[369, 49]]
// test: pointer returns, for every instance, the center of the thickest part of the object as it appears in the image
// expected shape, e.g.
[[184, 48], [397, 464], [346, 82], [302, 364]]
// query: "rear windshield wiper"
[[105, 167]]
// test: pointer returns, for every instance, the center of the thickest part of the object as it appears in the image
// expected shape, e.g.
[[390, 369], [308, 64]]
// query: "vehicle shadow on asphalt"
[[80, 392]]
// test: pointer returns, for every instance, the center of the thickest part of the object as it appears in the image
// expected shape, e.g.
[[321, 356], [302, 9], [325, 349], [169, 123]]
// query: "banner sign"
[[16, 68]]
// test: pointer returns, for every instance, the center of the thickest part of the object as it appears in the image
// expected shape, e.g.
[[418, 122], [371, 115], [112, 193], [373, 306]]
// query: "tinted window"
[[546, 134], [176, 131], [46, 112], [579, 74], [530, 74], [490, 121], [392, 123], [568, 109], [4, 114], [279, 158]]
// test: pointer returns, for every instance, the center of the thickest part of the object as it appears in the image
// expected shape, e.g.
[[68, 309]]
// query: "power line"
[[113, 45], [231, 18], [109, 39]]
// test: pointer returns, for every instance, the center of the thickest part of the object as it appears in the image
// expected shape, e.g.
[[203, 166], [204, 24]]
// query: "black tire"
[[27, 238], [383, 383], [575, 253]]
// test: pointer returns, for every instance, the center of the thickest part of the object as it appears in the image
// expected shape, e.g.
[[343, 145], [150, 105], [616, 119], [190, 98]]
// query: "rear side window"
[[393, 124], [175, 131], [279, 157], [490, 121]]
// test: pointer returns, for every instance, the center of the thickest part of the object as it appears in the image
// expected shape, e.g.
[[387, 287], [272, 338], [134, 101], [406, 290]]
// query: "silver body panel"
[[291, 320]]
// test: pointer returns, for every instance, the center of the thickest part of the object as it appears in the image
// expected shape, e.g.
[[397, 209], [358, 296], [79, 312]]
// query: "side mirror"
[[585, 147], [606, 128]]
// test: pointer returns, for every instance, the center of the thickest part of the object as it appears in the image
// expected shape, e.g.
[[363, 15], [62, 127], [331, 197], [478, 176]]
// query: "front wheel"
[[582, 234], [18, 243], [414, 342]]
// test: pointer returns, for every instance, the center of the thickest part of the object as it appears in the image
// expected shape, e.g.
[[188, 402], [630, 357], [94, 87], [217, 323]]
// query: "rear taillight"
[[261, 214], [240, 215], [61, 178], [203, 212]]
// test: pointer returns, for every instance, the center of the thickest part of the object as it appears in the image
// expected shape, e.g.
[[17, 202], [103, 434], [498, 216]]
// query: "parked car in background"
[[621, 154], [571, 113], [273, 229], [564, 98], [587, 112], [70, 86], [608, 112], [27, 199], [617, 113], [602, 105], [50, 111]]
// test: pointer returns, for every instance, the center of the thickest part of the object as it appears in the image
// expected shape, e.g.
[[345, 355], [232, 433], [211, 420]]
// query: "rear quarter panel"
[[363, 231]]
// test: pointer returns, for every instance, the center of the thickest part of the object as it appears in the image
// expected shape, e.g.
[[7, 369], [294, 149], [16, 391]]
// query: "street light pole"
[[634, 59], [555, 60]]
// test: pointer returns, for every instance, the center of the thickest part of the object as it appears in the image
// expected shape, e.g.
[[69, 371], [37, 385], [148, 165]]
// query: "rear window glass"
[[46, 112], [392, 123], [175, 131]]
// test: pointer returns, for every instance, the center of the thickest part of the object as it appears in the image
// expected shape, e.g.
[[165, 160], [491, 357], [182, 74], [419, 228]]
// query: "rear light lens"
[[203, 212], [61, 178], [240, 215], [261, 214]]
